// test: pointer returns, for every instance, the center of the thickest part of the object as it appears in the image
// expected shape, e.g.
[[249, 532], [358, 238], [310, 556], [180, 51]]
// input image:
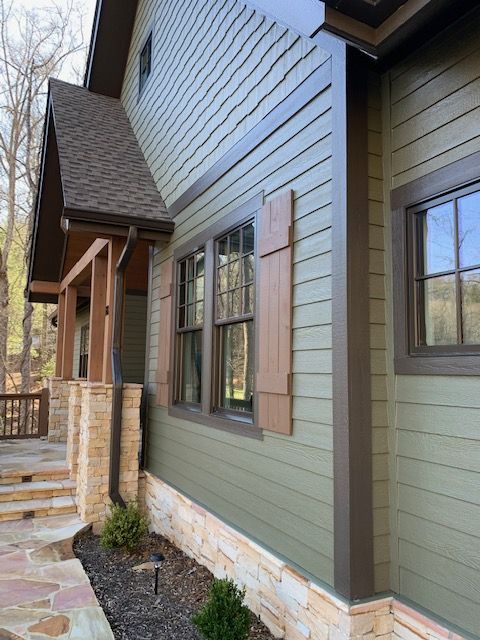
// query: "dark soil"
[[127, 597]]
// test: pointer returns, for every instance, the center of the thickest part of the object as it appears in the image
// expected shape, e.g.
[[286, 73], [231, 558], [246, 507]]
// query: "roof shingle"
[[102, 167]]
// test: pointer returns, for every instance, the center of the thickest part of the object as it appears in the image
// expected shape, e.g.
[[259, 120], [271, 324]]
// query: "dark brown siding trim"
[[353, 511], [317, 82], [449, 178]]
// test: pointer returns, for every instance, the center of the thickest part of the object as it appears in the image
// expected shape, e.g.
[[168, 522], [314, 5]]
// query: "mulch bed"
[[127, 597]]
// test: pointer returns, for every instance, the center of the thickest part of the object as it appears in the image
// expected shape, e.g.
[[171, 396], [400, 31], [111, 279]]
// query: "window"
[[214, 350], [190, 302], [445, 268], [436, 271], [83, 360], [145, 63], [235, 271]]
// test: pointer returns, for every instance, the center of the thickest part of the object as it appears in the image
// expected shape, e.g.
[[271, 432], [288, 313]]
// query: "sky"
[[86, 9]]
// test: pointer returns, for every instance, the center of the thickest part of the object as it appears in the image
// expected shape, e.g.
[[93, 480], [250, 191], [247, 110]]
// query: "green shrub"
[[224, 616], [124, 526]]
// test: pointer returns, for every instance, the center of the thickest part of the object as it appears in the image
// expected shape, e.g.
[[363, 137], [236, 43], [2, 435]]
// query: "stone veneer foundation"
[[290, 605]]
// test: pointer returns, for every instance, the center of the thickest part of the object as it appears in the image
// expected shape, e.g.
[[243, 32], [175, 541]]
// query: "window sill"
[[238, 427], [440, 365]]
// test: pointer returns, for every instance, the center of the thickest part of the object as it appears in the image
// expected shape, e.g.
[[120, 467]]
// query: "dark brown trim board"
[[352, 446], [317, 82], [450, 178]]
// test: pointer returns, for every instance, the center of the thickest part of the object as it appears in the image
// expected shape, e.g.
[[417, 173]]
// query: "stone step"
[[38, 490], [16, 510], [34, 474]]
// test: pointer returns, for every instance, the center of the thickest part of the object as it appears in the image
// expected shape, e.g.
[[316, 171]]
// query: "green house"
[[269, 213]]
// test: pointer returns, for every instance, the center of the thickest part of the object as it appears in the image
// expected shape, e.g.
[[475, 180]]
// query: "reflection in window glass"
[[191, 367], [469, 229], [436, 233], [440, 310], [236, 378], [470, 284]]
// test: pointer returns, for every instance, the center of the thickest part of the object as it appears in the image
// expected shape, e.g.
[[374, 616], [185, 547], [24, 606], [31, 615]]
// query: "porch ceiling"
[[93, 172]]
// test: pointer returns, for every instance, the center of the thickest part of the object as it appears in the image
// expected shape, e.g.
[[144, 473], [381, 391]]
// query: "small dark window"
[[145, 63], [190, 303], [444, 267], [83, 361]]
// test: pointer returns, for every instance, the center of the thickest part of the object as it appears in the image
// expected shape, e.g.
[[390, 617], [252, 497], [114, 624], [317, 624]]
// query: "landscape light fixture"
[[157, 559]]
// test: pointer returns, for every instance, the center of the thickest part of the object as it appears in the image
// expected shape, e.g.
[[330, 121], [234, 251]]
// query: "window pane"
[[222, 282], [469, 229], [200, 259], [234, 245], [181, 317], [199, 288], [436, 238], [181, 295], [191, 268], [236, 384], [234, 274], [182, 271], [222, 251], [222, 306], [199, 313], [190, 315], [191, 367], [440, 315], [248, 303], [234, 303], [248, 264], [470, 282], [248, 238]]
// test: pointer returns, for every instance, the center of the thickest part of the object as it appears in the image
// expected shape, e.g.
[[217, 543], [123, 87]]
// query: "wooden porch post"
[[96, 344], [114, 250], [69, 331], [60, 329]]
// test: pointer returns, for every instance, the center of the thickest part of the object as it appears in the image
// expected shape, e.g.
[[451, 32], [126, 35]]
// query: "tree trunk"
[[3, 324]]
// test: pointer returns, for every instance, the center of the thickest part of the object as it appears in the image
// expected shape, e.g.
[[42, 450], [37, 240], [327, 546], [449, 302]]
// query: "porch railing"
[[24, 415]]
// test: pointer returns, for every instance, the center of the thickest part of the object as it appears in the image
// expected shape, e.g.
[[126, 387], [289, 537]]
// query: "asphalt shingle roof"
[[102, 167]]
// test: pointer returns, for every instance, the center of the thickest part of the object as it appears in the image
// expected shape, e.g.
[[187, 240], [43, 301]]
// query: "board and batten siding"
[[134, 337], [434, 111], [278, 490]]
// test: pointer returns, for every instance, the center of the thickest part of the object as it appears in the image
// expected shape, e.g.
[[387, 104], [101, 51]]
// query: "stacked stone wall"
[[59, 391]]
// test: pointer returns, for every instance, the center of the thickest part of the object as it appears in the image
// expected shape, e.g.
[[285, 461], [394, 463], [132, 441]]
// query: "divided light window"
[[235, 271], [445, 273], [190, 309], [215, 338], [145, 63]]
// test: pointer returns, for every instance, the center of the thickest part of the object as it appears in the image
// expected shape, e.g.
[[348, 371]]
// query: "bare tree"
[[34, 45]]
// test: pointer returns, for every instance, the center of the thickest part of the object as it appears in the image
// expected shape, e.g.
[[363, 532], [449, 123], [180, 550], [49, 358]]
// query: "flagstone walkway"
[[44, 591]]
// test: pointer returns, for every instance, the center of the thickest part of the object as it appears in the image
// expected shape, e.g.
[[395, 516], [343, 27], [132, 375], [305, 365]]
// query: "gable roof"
[[104, 175]]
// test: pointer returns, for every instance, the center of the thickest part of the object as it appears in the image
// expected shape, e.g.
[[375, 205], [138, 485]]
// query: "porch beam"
[[60, 329], [44, 286], [76, 273], [98, 299], [69, 331], [115, 248]]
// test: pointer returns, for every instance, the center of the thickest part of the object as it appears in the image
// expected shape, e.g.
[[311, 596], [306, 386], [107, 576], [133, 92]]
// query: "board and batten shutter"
[[165, 335], [274, 374]]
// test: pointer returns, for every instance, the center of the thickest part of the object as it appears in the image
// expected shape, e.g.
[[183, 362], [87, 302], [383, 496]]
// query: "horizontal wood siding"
[[278, 490], [435, 103], [135, 329], [435, 119], [378, 344]]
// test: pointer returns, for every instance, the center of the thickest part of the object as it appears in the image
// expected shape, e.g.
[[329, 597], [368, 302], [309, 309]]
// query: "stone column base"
[[58, 410], [94, 449], [73, 434], [289, 604]]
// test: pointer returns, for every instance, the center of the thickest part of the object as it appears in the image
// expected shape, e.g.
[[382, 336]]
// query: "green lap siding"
[[234, 68], [435, 446]]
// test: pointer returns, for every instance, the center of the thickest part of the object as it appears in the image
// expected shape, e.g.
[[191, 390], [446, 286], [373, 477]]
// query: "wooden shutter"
[[274, 375], [165, 334]]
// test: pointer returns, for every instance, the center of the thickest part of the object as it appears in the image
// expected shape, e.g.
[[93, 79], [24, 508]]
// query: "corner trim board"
[[352, 433]]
